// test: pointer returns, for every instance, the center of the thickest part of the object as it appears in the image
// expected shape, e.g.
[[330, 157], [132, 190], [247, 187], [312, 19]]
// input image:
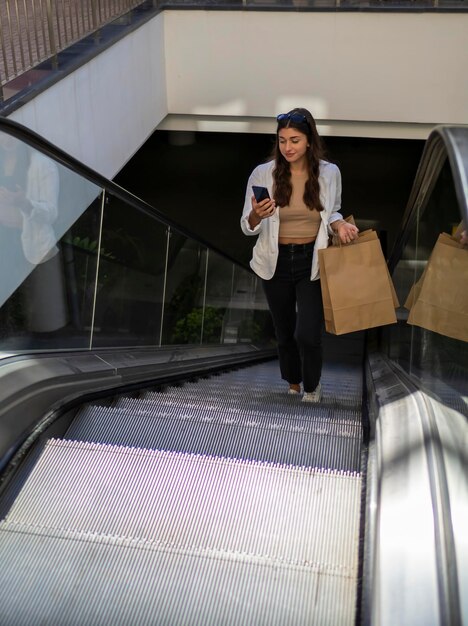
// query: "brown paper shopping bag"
[[327, 307], [371, 235], [416, 287], [440, 297], [357, 290]]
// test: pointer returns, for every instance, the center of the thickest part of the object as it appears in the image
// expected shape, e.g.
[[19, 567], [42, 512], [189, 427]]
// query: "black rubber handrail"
[[60, 156], [444, 142]]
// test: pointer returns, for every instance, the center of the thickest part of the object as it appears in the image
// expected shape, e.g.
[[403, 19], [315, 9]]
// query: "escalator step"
[[64, 579], [216, 502], [319, 441], [243, 414], [233, 541], [188, 500]]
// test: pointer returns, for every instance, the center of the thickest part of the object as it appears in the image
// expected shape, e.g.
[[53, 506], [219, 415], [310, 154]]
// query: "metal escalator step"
[[64, 579], [260, 397], [188, 405], [104, 534], [194, 502], [242, 414], [328, 441], [262, 384], [264, 402]]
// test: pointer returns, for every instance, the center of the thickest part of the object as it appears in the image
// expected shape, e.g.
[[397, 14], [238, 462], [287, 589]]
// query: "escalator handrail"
[[444, 142], [44, 146]]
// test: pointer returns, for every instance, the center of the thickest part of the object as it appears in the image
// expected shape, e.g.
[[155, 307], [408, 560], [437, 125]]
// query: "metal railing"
[[33, 31]]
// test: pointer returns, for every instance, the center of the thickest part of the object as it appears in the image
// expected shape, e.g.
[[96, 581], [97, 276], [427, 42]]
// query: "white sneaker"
[[293, 392], [313, 396]]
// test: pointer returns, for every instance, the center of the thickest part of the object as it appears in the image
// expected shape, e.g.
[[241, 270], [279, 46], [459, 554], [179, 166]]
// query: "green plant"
[[85, 243], [188, 329], [185, 296]]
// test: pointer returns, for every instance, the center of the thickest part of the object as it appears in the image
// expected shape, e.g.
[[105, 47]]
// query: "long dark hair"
[[302, 120]]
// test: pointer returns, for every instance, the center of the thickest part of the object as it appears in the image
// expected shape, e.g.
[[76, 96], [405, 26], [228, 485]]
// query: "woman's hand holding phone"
[[261, 209]]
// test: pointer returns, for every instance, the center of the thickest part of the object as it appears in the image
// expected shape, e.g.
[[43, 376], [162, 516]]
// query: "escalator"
[[214, 502], [150, 481]]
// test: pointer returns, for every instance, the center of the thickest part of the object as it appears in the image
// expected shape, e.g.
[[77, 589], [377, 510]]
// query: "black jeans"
[[295, 304]]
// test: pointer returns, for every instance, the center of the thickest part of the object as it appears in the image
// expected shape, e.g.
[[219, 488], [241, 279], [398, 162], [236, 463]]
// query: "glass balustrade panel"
[[431, 339], [130, 283], [44, 285], [184, 293], [235, 310]]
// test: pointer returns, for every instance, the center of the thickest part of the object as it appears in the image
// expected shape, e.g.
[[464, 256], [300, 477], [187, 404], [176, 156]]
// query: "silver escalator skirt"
[[103, 532]]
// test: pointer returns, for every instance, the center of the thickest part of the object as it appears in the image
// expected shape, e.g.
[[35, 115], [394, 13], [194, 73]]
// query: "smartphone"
[[260, 193]]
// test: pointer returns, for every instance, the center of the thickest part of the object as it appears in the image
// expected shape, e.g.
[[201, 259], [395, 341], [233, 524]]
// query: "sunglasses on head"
[[295, 118]]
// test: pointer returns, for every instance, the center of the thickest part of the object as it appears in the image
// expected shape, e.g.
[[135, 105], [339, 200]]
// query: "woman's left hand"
[[347, 232]]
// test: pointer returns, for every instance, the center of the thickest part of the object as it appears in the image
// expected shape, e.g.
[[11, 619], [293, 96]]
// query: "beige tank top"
[[297, 221]]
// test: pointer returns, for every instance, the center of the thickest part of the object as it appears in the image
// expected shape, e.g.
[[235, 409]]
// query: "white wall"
[[372, 69], [103, 112], [364, 74]]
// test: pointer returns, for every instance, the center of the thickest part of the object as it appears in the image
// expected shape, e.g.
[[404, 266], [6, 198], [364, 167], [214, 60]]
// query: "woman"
[[305, 192]]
